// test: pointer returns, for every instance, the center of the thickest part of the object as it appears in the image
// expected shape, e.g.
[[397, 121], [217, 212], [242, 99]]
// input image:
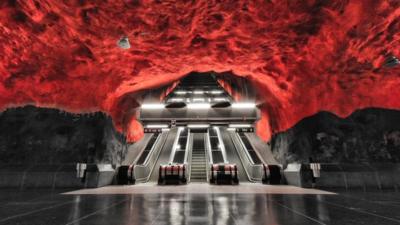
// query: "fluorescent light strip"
[[198, 92], [153, 106], [157, 126], [180, 92], [239, 125], [198, 99], [198, 106], [216, 92], [243, 105], [198, 125], [176, 100], [220, 99]]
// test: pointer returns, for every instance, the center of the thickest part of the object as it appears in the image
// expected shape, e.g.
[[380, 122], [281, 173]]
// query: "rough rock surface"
[[369, 135], [32, 135], [303, 56]]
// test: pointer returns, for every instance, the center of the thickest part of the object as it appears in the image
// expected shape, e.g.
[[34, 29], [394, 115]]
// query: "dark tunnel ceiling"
[[302, 56]]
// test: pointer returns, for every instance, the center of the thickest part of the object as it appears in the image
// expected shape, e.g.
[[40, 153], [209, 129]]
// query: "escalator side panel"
[[135, 149], [165, 154], [263, 150], [233, 156]]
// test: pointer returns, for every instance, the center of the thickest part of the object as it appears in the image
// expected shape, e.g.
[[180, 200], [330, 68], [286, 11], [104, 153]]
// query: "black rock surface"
[[31, 135], [369, 135]]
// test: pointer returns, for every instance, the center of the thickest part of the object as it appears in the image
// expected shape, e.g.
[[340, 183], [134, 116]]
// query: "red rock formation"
[[302, 55]]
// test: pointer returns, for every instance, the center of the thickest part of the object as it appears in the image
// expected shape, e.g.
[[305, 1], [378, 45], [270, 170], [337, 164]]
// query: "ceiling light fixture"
[[123, 43], [180, 92], [198, 106], [239, 125], [391, 61], [220, 99], [243, 105], [153, 106], [176, 99], [157, 126], [216, 92], [198, 99], [198, 125]]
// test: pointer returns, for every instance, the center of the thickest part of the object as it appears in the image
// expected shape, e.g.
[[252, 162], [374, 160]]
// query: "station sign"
[[245, 129], [152, 130]]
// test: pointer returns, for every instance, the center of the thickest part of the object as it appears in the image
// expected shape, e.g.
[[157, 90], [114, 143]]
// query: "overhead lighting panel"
[[180, 92], [153, 106], [216, 92], [198, 125], [220, 99], [198, 99], [157, 126], [198, 106], [239, 125], [243, 105], [176, 99]]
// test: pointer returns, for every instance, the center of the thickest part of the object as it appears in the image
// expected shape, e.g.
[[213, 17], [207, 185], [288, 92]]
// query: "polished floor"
[[198, 204]]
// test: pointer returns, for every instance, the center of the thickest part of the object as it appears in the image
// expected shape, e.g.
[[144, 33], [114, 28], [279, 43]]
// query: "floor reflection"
[[218, 209], [201, 208]]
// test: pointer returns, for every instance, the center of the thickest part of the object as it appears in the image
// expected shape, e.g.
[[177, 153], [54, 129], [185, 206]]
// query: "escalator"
[[140, 158], [198, 171], [165, 154], [254, 164], [232, 155], [135, 149], [263, 150]]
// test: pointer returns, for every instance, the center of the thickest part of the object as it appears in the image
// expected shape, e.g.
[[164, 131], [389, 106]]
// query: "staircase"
[[198, 172]]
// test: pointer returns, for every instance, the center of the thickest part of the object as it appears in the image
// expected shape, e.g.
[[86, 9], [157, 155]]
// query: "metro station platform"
[[197, 203]]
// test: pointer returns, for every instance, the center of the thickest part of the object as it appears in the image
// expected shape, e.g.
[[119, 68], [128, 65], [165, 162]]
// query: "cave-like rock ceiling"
[[303, 56]]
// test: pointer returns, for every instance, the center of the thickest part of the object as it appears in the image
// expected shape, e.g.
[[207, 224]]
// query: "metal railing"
[[253, 171], [142, 172]]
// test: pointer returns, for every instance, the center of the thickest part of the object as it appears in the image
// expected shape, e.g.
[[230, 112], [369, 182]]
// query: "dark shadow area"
[[369, 135], [31, 135]]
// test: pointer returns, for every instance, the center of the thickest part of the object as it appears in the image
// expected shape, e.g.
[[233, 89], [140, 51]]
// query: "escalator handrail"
[[146, 178], [256, 149], [243, 146], [222, 145], [146, 161], [208, 147], [189, 156], [235, 138], [187, 147], [209, 160], [141, 146]]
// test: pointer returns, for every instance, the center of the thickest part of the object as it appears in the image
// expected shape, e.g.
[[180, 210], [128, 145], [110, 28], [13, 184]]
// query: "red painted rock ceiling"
[[302, 56]]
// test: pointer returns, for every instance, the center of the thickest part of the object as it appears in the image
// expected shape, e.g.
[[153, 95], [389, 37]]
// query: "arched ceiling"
[[303, 56]]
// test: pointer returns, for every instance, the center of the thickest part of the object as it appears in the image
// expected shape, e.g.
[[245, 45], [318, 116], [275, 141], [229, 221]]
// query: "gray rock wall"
[[31, 135], [367, 136]]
